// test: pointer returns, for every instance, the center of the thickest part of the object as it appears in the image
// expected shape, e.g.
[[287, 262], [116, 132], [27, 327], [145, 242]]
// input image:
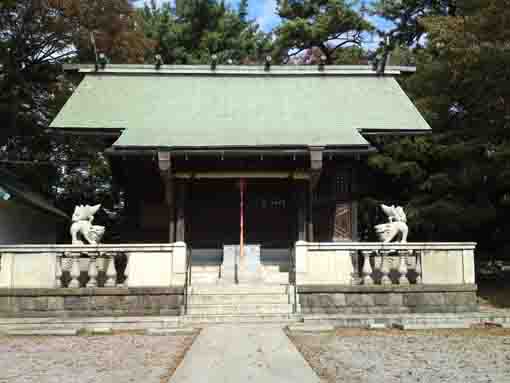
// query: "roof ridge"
[[238, 69]]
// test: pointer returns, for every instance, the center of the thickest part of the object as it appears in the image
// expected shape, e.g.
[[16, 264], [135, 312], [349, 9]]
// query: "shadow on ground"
[[495, 292]]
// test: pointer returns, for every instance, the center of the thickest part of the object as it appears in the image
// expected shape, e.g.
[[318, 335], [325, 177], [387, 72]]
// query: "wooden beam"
[[298, 175]]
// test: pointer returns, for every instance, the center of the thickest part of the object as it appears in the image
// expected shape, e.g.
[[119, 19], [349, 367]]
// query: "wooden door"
[[270, 218], [334, 211]]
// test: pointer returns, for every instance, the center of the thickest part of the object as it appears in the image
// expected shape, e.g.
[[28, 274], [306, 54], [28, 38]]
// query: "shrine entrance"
[[226, 212]]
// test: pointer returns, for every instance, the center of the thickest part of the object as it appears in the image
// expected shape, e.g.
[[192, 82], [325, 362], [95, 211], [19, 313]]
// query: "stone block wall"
[[387, 299], [91, 302]]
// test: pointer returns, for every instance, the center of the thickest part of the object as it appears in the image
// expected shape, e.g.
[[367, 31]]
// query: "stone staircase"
[[240, 303]]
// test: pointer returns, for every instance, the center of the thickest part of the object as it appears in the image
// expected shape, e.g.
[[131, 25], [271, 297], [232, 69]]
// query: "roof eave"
[[110, 132], [395, 132], [245, 151]]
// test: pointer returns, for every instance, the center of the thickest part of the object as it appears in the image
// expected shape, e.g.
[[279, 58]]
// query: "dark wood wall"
[[276, 209]]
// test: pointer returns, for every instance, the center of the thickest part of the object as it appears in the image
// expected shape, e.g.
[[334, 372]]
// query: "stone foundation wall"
[[387, 299], [91, 302]]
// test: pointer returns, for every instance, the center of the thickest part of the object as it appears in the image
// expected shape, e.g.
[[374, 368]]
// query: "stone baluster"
[[92, 272], [355, 275], [367, 269], [58, 272], [126, 272], [418, 268], [402, 269], [75, 271], [111, 272], [385, 269], [101, 263]]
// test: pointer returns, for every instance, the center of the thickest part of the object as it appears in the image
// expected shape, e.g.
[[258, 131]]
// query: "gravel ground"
[[86, 359], [388, 356]]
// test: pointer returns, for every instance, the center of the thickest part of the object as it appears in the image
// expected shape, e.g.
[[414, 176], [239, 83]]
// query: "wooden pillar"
[[165, 168], [316, 159], [309, 216], [170, 192], [180, 229], [242, 189], [301, 206]]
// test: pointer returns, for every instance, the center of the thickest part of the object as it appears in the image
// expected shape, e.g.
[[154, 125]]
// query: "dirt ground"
[[119, 358], [391, 356]]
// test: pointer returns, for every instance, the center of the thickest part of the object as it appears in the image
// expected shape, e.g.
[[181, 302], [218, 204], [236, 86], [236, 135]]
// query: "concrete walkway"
[[224, 354]]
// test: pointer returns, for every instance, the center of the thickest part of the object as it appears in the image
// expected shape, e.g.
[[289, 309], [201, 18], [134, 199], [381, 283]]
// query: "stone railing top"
[[50, 248], [387, 246]]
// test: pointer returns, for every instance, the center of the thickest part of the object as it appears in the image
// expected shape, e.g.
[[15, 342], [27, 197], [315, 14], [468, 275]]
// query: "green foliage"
[[115, 28], [35, 38], [455, 182], [326, 25], [406, 16], [193, 31]]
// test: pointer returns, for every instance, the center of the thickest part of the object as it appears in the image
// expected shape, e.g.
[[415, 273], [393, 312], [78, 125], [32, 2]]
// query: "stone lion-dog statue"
[[396, 226], [82, 228]]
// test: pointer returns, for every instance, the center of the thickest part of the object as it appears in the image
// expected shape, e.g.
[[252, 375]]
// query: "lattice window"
[[268, 203], [278, 203], [342, 222], [343, 182]]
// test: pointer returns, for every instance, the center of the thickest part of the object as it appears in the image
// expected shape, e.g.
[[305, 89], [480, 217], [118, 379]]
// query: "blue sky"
[[264, 12]]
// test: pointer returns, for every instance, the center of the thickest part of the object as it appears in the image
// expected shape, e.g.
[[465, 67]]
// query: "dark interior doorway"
[[270, 217]]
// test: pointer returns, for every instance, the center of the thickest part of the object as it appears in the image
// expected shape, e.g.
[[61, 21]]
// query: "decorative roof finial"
[[268, 63], [214, 60]]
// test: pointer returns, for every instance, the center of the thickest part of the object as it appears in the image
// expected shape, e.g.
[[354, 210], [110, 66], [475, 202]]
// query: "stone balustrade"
[[91, 269], [92, 266], [354, 263]]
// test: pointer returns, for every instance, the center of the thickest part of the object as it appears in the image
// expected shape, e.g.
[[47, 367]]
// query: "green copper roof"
[[187, 110]]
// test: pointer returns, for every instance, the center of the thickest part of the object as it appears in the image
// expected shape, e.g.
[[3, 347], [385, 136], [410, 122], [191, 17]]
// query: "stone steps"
[[244, 309], [197, 320], [243, 299], [212, 299], [241, 289]]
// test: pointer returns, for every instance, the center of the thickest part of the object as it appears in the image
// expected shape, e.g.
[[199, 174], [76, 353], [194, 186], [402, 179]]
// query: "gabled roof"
[[11, 188], [231, 107]]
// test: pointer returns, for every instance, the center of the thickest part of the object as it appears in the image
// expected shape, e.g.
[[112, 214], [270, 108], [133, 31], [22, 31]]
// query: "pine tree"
[[456, 182], [327, 25], [196, 30], [243, 10]]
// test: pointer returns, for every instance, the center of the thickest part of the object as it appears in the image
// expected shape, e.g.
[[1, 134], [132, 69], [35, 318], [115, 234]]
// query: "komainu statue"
[[396, 226], [82, 227]]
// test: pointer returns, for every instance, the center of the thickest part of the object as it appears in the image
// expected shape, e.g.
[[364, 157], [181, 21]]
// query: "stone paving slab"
[[434, 326], [500, 317], [36, 332], [321, 327], [170, 331], [234, 354]]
